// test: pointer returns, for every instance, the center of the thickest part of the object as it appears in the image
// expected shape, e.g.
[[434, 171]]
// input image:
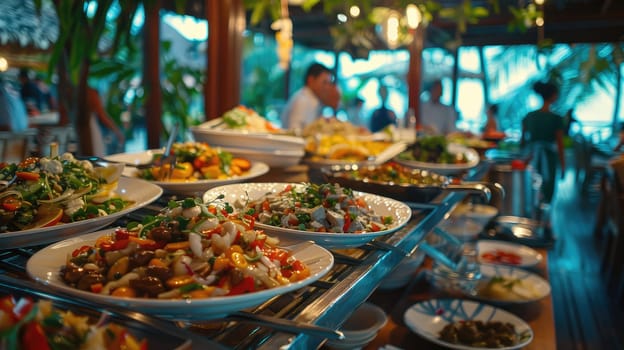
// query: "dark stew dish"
[[480, 334], [392, 172]]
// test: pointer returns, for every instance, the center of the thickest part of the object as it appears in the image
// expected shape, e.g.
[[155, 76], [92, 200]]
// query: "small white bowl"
[[361, 327], [480, 213], [404, 272]]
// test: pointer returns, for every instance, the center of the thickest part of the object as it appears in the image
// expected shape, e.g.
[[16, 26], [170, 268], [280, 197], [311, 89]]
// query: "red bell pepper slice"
[[117, 245], [247, 285], [27, 175], [347, 222], [33, 337], [22, 307], [121, 234], [11, 203], [81, 250]]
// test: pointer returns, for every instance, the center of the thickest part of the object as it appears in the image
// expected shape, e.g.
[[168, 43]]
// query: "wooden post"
[[455, 77], [414, 74], [151, 73], [615, 125], [485, 80], [226, 23]]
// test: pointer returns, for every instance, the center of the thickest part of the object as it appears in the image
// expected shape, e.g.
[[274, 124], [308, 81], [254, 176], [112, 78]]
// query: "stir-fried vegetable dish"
[[41, 192], [198, 161], [480, 334], [38, 325], [317, 208], [432, 149], [190, 250]]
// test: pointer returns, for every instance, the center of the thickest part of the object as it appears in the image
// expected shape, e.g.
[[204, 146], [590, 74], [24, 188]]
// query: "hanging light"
[[539, 21], [354, 11], [4, 64], [390, 29], [283, 36], [413, 16]]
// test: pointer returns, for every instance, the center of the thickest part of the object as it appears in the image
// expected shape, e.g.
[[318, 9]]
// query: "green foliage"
[[523, 18], [123, 74], [357, 35]]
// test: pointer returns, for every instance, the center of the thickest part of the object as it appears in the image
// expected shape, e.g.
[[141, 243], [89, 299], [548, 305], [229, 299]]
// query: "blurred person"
[[436, 117], [491, 122], [330, 97], [354, 111], [13, 116], [382, 116], [30, 93], [305, 105], [98, 116], [542, 135], [49, 101]]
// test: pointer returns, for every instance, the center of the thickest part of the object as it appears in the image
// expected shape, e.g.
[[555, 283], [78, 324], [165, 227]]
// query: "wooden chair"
[[611, 222], [588, 163], [15, 146]]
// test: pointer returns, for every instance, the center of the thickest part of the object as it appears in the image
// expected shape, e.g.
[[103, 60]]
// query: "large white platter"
[[273, 158], [195, 187], [447, 169], [380, 205], [140, 192], [209, 133], [529, 257], [540, 286], [429, 317], [45, 267], [387, 154]]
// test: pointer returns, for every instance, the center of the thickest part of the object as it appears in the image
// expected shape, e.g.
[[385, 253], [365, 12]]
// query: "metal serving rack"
[[357, 272]]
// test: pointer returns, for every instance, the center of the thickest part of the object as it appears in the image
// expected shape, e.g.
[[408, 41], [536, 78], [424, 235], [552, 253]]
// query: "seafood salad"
[[189, 250], [39, 192], [316, 208]]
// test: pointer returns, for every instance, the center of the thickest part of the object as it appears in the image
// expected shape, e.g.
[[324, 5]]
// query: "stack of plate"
[[274, 149]]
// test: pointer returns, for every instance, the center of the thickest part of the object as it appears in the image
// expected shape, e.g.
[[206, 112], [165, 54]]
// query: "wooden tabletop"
[[539, 314]]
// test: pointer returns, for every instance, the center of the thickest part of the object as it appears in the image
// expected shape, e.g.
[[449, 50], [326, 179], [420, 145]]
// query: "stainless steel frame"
[[356, 274]]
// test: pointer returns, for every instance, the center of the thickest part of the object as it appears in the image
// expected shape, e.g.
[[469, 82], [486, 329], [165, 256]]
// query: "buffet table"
[[354, 278]]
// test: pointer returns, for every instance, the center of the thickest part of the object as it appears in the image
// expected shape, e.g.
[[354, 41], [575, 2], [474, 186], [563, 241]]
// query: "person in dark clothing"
[[542, 133], [383, 116], [30, 93]]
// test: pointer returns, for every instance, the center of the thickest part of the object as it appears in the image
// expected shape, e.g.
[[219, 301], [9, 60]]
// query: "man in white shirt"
[[305, 105], [435, 117]]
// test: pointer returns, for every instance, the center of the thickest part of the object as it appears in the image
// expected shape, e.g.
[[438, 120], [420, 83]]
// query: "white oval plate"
[[446, 169], [140, 192], [206, 132], [45, 267], [529, 257], [276, 158], [540, 286], [191, 188], [380, 205], [429, 317]]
